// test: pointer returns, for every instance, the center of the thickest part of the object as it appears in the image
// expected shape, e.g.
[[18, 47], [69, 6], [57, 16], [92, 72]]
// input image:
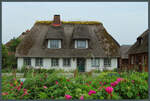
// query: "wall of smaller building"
[[138, 62], [88, 66]]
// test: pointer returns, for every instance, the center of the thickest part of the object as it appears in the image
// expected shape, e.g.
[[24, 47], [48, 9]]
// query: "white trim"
[[48, 44], [59, 44], [86, 43], [75, 43]]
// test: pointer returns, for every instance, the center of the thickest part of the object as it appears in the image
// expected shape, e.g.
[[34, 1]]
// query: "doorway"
[[81, 64]]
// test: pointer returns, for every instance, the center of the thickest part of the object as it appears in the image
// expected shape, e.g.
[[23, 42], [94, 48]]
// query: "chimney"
[[56, 21]]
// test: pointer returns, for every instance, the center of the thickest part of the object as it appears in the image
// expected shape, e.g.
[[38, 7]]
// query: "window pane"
[[54, 43], [95, 62], [81, 43], [107, 62], [66, 62], [54, 62], [39, 62], [27, 61]]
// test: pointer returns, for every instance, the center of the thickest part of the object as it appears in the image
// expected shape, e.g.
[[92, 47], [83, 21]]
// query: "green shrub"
[[46, 85]]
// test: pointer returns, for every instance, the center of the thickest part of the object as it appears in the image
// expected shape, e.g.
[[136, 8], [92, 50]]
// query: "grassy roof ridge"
[[70, 22]]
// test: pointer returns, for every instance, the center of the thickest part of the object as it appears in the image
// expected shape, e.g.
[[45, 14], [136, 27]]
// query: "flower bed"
[[108, 85]]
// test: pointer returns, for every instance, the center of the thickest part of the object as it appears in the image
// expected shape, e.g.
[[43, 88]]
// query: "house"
[[123, 62], [85, 45], [138, 53]]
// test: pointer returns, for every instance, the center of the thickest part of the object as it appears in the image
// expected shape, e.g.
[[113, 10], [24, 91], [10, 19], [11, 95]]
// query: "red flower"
[[21, 83], [68, 97], [100, 82], [11, 84], [25, 92], [45, 87], [5, 93], [81, 98], [90, 82], [114, 83], [91, 92], [56, 82], [68, 80], [104, 83], [119, 79], [109, 90], [19, 88], [132, 81]]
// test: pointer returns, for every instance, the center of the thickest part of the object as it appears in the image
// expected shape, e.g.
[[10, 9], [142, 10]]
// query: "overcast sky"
[[124, 21]]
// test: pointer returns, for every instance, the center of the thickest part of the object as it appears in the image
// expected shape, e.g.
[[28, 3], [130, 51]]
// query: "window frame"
[[55, 42], [55, 64], [66, 64], [27, 61], [94, 62], [108, 63], [79, 47], [39, 62], [132, 59]]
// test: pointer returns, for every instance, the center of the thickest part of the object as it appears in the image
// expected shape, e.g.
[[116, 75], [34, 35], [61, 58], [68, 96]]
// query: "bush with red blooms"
[[110, 85]]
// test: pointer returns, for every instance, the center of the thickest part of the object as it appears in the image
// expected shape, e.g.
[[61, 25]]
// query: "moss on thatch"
[[109, 44], [71, 22]]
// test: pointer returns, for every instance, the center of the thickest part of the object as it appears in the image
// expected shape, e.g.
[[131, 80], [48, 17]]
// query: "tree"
[[8, 54], [14, 44], [4, 56]]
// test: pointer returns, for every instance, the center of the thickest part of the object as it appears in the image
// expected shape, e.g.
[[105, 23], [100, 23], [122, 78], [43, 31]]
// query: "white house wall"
[[19, 63], [88, 67]]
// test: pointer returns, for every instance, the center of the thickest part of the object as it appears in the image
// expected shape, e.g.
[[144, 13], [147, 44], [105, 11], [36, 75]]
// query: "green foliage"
[[4, 56], [8, 54], [44, 85], [14, 43]]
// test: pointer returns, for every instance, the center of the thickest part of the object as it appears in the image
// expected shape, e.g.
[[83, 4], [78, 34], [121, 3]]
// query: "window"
[[81, 44], [54, 62], [144, 59], [54, 44], [39, 62], [66, 62], [107, 62], [95, 62], [132, 59], [27, 61]]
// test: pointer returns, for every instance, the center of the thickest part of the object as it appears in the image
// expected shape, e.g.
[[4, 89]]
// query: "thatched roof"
[[140, 48], [81, 32], [123, 51], [55, 33], [101, 44], [20, 37]]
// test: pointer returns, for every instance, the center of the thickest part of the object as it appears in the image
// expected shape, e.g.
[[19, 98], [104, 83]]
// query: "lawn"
[[50, 85]]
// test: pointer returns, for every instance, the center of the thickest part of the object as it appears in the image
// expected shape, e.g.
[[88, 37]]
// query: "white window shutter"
[[86, 43], [59, 43], [48, 44], [75, 43]]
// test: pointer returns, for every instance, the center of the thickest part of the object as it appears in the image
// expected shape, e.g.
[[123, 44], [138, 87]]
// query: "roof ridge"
[[70, 22]]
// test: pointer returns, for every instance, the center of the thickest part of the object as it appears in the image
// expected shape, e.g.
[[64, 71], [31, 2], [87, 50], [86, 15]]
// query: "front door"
[[81, 64]]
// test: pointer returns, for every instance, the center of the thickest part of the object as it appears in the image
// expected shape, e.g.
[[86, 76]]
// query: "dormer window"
[[54, 44], [81, 43], [140, 40]]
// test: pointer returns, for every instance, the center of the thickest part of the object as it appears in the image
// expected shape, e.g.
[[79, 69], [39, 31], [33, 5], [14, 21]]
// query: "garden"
[[52, 84]]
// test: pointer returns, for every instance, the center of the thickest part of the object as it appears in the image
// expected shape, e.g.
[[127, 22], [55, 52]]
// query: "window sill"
[[54, 48], [54, 66], [67, 66]]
